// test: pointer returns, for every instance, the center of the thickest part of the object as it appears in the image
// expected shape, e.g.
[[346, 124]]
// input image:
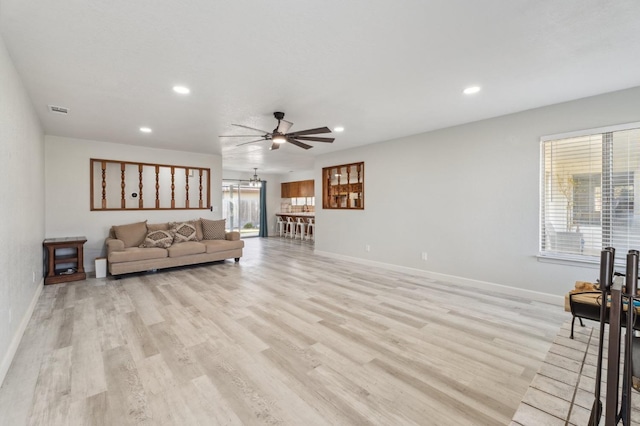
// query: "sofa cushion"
[[186, 248], [213, 229], [183, 232], [136, 253], [198, 224], [158, 226], [162, 239], [214, 246], [132, 235]]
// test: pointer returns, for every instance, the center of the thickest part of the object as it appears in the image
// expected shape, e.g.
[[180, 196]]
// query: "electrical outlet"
[[367, 247], [424, 255]]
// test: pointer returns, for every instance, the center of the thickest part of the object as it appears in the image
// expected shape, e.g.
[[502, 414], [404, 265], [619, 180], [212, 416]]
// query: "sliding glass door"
[[241, 207]]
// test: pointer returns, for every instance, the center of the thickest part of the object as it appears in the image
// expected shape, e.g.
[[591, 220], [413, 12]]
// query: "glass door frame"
[[241, 207]]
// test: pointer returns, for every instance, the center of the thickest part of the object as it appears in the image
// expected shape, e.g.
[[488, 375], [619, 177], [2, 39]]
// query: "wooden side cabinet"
[[74, 256]]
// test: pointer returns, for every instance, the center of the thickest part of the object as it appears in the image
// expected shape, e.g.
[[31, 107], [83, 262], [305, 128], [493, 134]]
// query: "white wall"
[[300, 175], [21, 209], [273, 193], [67, 189], [467, 195]]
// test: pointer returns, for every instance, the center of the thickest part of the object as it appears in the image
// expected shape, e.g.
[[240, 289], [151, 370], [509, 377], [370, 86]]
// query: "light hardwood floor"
[[284, 337]]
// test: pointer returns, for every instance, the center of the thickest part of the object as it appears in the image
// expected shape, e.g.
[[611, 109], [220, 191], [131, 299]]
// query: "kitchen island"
[[297, 215]]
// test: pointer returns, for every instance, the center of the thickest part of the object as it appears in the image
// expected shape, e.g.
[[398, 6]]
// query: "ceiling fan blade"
[[315, 139], [298, 143], [250, 128], [310, 132], [237, 136], [284, 126], [246, 143], [274, 146]]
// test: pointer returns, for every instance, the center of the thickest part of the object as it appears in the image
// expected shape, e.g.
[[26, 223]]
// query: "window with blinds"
[[587, 189]]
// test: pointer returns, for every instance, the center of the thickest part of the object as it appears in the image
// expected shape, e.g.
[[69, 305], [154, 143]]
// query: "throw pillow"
[[159, 238], [213, 229], [198, 224], [184, 232], [132, 235]]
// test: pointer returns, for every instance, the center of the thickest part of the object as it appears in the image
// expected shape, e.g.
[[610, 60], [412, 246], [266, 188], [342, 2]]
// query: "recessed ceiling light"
[[145, 129], [471, 90], [338, 129], [182, 90]]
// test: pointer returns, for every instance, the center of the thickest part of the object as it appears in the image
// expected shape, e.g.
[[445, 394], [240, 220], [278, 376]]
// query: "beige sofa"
[[140, 247]]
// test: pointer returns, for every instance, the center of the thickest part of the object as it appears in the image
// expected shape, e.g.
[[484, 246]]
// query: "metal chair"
[[310, 229], [300, 229], [280, 225], [290, 228]]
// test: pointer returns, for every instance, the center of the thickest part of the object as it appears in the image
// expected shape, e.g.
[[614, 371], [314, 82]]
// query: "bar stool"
[[290, 228], [310, 229], [280, 226], [300, 229]]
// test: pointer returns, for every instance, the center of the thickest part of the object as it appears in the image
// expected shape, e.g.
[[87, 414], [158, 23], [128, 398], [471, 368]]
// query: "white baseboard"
[[17, 337], [467, 282]]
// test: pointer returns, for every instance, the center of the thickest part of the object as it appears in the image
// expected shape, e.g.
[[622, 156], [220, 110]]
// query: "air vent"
[[58, 109]]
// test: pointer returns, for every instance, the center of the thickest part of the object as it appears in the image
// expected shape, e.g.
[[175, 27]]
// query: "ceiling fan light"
[[471, 90], [279, 139], [183, 90]]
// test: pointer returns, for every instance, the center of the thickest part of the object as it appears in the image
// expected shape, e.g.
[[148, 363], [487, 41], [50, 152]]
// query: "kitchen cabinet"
[[307, 188], [303, 188], [285, 191], [294, 189]]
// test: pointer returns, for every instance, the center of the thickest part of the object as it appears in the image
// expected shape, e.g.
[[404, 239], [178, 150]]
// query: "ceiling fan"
[[279, 135]]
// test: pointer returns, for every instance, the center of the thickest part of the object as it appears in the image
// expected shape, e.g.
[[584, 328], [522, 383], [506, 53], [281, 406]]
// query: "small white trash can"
[[101, 267]]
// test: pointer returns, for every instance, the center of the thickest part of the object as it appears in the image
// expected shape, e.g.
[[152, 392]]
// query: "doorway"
[[241, 207]]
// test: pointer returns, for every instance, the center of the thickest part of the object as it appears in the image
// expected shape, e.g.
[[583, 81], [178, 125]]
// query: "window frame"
[[566, 257]]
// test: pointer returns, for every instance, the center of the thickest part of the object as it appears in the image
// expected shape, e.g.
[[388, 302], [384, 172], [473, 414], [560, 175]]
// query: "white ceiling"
[[382, 69]]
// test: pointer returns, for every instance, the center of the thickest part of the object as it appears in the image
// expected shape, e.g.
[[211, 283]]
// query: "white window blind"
[[588, 193]]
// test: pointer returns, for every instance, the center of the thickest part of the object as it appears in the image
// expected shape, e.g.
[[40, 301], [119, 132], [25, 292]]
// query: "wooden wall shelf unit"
[[57, 274], [343, 187]]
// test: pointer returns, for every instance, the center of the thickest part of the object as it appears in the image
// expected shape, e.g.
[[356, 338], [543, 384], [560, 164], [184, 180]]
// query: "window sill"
[[581, 261]]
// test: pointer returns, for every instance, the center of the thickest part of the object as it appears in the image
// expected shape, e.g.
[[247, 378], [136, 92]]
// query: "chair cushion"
[[132, 235], [136, 253], [214, 246], [213, 229], [186, 248]]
